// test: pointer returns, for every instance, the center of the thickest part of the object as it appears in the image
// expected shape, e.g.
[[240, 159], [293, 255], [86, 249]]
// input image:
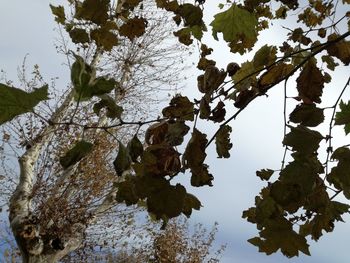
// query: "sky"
[[27, 27]]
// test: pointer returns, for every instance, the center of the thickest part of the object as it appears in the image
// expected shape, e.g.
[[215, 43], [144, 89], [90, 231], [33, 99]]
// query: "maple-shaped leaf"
[[112, 109], [329, 60], [342, 117], [265, 174], [340, 174], [123, 160], [279, 234], [14, 102], [237, 25], [75, 154], [340, 49], [181, 108], [265, 56], [324, 220], [245, 76], [184, 36], [222, 141], [79, 35], [105, 38], [302, 139], [93, 10], [58, 12], [310, 83], [134, 27], [307, 115], [192, 15], [204, 107], [274, 75]]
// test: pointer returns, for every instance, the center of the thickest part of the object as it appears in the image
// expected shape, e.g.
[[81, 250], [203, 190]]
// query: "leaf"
[[75, 154], [280, 235], [156, 133], [237, 25], [191, 14], [302, 139], [340, 49], [190, 202], [127, 191], [310, 83], [307, 115], [274, 75], [340, 174], [184, 36], [218, 113], [112, 109], [324, 220], [104, 38], [122, 161], [265, 56], [79, 35], [222, 141], [180, 108], [134, 27], [168, 202], [194, 157], [14, 102], [245, 76], [58, 12], [93, 10], [176, 132], [342, 117], [331, 64], [135, 148], [265, 174]]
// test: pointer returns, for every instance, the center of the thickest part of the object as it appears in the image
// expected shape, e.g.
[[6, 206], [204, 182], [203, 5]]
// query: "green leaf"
[[176, 132], [58, 12], [75, 154], [265, 56], [302, 139], [307, 115], [168, 202], [112, 109], [238, 27], [122, 161], [265, 174], [194, 157], [342, 117], [180, 108], [127, 191], [340, 174], [14, 102], [135, 148], [222, 141], [310, 83], [191, 14]]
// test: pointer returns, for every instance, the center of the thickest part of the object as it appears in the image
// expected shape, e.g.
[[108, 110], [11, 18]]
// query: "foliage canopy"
[[304, 192]]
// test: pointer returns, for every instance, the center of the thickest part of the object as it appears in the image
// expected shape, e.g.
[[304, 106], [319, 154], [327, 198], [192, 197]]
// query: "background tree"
[[296, 205]]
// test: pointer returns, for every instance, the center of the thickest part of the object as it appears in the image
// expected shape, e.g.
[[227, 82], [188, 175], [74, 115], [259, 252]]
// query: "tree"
[[301, 202]]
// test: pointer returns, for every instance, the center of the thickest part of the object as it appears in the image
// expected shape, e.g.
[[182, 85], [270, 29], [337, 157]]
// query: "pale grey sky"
[[27, 27]]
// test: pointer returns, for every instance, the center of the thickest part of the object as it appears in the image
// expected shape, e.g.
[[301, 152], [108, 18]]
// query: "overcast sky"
[[26, 27]]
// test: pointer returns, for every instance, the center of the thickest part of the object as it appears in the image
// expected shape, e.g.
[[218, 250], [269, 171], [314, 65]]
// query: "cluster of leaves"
[[147, 169]]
